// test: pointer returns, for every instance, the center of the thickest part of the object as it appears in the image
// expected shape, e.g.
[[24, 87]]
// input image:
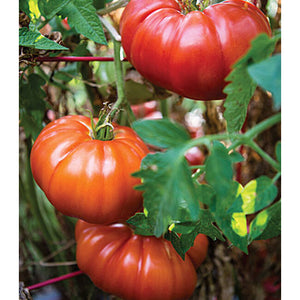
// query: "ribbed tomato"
[[189, 54], [136, 267], [88, 178]]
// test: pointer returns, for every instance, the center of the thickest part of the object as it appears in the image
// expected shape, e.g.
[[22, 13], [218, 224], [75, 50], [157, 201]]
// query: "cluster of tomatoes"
[[89, 178]]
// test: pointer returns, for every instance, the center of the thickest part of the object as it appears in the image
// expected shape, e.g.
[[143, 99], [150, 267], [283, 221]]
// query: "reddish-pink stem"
[[76, 58], [53, 280]]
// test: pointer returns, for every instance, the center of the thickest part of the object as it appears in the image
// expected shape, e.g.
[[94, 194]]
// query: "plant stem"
[[164, 108], [262, 126], [75, 58], [119, 78], [112, 7], [111, 29], [264, 155], [54, 280], [242, 139]]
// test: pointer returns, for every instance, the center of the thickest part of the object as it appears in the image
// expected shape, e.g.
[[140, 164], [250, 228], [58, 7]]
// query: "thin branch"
[[111, 29], [54, 280], [112, 7], [75, 58]]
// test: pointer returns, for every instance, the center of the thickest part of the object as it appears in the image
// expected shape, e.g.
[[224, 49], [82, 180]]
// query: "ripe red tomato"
[[189, 54], [88, 178], [136, 267]]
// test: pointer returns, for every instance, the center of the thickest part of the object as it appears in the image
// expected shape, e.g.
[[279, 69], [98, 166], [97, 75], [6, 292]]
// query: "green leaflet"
[[219, 170], [32, 105], [169, 191], [219, 173], [141, 224], [162, 133], [82, 16], [256, 195], [267, 74], [241, 87], [49, 8], [33, 39], [267, 223]]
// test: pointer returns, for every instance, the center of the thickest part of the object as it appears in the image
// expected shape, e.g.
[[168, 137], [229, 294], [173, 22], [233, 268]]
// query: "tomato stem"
[[242, 139]]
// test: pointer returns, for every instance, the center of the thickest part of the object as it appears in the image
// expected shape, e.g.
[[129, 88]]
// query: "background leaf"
[[32, 105], [82, 16], [267, 74], [162, 133]]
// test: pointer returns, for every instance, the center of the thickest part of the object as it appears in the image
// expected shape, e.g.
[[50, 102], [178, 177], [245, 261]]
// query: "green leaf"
[[236, 157], [176, 242], [239, 92], [31, 9], [241, 87], [100, 3], [162, 133], [33, 39], [169, 191], [31, 122], [32, 105], [141, 224], [233, 226], [256, 195], [190, 230], [205, 193], [24, 6], [67, 73], [219, 173], [82, 16], [267, 74], [218, 168], [267, 223], [49, 8], [278, 152]]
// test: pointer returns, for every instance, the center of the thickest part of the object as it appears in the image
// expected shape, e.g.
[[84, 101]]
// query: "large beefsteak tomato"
[[189, 54], [88, 178], [136, 267]]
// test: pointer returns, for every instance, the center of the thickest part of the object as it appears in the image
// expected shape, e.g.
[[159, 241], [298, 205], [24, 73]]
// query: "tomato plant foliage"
[[171, 196]]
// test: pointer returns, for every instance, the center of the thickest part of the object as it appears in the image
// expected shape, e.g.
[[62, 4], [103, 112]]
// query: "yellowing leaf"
[[239, 224], [248, 195], [34, 10]]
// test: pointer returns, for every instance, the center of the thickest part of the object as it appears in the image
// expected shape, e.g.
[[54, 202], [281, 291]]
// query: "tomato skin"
[[189, 54], [143, 109], [195, 156], [87, 178], [65, 24], [134, 267]]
